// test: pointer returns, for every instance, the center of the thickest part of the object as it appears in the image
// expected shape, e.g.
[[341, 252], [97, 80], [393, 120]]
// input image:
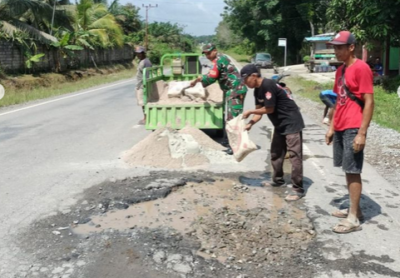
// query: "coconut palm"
[[32, 17], [127, 17], [96, 20]]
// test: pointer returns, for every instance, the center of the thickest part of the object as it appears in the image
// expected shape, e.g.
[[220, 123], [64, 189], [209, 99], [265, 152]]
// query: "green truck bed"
[[177, 116]]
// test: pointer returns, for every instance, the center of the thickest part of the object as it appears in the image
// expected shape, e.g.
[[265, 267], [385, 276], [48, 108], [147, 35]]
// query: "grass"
[[26, 88], [241, 58], [387, 105]]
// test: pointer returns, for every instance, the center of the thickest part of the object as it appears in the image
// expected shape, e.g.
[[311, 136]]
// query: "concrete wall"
[[12, 59]]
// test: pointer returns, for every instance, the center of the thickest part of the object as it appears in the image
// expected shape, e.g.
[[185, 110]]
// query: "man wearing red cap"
[[348, 129]]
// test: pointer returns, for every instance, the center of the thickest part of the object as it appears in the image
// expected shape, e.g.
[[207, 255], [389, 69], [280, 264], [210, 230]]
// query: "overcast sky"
[[199, 17]]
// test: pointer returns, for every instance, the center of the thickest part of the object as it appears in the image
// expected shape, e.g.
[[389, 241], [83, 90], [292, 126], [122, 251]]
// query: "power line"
[[147, 22], [182, 21]]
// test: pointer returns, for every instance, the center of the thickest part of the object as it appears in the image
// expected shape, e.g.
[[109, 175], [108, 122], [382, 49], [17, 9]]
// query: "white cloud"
[[199, 17]]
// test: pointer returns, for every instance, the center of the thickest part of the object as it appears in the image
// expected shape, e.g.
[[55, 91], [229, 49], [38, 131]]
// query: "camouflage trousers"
[[235, 103]]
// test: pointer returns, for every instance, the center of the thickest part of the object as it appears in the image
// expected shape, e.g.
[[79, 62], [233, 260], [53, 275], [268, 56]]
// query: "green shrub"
[[157, 51], [306, 59], [391, 84]]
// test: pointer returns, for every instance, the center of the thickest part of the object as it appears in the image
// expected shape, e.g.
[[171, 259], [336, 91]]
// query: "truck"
[[322, 56], [179, 67], [323, 60]]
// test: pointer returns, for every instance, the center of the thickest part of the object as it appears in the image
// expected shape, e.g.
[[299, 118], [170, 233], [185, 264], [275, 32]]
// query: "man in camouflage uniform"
[[228, 78]]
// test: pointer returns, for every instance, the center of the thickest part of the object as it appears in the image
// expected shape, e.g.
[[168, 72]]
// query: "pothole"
[[233, 222], [174, 224]]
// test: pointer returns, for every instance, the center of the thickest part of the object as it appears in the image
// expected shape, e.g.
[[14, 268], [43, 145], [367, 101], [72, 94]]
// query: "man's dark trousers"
[[293, 144]]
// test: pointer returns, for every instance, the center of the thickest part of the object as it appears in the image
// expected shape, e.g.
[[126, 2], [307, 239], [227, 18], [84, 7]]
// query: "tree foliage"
[[367, 19], [262, 23]]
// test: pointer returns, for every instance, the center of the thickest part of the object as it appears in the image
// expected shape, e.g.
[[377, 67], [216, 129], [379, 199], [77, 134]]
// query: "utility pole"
[[147, 22]]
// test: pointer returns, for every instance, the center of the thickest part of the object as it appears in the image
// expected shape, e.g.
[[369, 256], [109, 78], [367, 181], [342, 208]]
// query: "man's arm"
[[255, 119], [210, 78], [258, 111], [205, 79], [331, 130], [359, 141]]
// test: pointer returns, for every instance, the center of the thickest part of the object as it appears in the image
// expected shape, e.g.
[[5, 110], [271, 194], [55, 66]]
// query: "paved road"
[[54, 149]]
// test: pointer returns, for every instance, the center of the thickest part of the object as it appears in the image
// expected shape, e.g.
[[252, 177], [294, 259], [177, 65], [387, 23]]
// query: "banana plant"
[[64, 49], [32, 59]]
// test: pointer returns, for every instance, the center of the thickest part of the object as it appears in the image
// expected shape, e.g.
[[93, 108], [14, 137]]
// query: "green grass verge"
[[54, 86], [387, 105], [238, 57]]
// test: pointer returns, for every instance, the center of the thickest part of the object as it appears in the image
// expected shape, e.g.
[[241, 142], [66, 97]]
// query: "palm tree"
[[127, 16], [31, 17], [96, 20]]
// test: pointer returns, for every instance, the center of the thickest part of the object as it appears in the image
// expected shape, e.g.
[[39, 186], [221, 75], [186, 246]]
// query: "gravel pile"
[[172, 149]]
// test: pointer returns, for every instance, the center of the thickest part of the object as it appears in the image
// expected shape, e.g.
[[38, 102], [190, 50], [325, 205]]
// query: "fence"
[[12, 59]]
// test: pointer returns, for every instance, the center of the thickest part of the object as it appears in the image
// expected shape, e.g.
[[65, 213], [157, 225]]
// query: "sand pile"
[[167, 148], [158, 94]]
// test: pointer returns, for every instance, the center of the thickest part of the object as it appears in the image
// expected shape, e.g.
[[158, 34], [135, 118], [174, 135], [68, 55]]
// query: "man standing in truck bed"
[[228, 78]]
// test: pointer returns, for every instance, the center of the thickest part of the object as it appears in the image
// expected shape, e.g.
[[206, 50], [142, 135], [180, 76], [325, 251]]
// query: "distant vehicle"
[[262, 60], [323, 60]]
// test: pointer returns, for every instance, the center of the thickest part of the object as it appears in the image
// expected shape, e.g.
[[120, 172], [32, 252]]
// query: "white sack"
[[239, 139], [175, 88], [197, 91]]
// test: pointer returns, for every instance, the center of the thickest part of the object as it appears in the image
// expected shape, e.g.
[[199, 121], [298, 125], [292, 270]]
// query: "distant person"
[[144, 62], [228, 77], [378, 67], [348, 130], [283, 112], [328, 97]]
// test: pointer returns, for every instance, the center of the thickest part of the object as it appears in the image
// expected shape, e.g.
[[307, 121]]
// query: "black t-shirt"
[[286, 118]]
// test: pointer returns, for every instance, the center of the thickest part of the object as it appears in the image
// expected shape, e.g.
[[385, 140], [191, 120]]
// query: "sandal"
[[343, 213], [294, 196], [346, 226]]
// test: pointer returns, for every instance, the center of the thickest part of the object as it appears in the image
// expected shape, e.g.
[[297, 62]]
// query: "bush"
[[157, 51], [391, 84], [306, 59]]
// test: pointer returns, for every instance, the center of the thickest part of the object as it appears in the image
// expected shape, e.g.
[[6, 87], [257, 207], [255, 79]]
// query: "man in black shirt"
[[273, 100]]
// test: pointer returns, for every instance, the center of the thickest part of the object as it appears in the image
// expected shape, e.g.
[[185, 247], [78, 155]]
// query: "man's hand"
[[194, 82], [248, 127], [246, 114], [329, 137], [359, 143]]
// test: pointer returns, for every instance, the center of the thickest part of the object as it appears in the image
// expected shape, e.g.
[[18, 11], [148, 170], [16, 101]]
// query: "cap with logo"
[[342, 38], [208, 47], [248, 70], [140, 49]]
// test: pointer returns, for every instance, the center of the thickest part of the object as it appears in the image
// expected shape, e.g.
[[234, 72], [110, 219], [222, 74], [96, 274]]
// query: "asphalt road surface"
[[54, 149]]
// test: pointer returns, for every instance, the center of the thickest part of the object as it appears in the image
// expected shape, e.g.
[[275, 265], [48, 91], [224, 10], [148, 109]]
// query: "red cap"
[[343, 37]]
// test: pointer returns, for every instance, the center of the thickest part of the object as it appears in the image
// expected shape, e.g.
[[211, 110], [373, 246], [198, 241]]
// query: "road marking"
[[314, 161], [55, 100]]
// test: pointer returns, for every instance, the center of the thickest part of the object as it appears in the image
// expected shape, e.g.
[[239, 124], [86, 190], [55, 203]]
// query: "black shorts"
[[343, 152], [326, 100]]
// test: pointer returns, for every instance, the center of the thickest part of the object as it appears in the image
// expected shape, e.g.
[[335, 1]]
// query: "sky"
[[199, 17]]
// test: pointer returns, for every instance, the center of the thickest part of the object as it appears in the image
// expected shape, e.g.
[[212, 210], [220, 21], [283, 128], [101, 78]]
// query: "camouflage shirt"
[[226, 73]]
